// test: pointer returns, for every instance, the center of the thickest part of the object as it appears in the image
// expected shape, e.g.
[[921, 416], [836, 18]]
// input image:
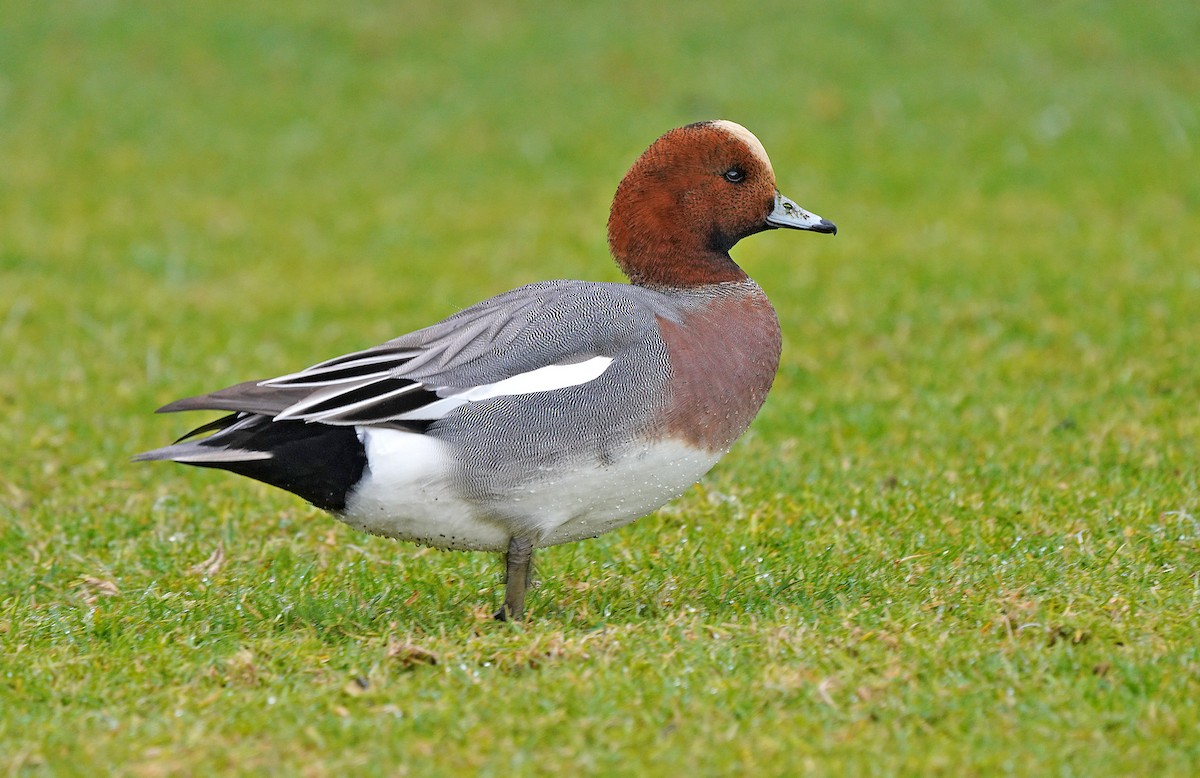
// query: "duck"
[[555, 412]]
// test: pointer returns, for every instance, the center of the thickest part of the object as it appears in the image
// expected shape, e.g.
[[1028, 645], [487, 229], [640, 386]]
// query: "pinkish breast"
[[723, 356]]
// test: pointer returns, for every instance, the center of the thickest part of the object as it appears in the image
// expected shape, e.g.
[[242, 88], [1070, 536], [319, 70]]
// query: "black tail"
[[318, 462]]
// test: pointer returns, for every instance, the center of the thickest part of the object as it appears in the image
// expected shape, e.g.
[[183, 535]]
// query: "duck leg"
[[517, 562]]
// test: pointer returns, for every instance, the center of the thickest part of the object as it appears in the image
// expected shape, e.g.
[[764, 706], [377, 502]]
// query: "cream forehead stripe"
[[747, 137]]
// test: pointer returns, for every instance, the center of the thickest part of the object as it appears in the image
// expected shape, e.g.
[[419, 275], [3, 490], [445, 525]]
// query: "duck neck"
[[671, 265], [671, 262]]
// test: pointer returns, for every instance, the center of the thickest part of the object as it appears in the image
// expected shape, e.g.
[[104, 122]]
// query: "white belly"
[[408, 491], [592, 500]]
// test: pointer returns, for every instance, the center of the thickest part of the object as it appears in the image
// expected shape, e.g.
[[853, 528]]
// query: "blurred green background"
[[961, 537]]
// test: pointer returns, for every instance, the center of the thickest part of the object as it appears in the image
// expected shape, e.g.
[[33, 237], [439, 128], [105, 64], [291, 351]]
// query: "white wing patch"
[[347, 391], [543, 379]]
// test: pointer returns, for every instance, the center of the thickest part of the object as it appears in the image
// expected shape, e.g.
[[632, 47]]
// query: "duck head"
[[691, 197]]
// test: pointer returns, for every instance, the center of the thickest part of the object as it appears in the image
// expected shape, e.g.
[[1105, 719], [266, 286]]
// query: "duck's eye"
[[735, 176]]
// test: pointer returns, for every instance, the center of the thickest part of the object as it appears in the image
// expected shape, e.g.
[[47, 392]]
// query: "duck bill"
[[787, 215]]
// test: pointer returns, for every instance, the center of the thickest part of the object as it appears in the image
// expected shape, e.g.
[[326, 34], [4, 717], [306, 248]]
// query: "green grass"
[[962, 537]]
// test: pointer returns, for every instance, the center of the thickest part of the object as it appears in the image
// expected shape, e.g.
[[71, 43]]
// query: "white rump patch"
[[544, 379], [408, 492], [746, 137]]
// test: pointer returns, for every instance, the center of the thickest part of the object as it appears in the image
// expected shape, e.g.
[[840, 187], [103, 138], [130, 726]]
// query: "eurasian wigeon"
[[554, 412]]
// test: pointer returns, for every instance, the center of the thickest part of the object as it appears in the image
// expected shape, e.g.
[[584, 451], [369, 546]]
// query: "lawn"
[[962, 538]]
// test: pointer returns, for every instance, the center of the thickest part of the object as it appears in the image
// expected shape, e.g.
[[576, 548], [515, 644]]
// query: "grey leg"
[[520, 555]]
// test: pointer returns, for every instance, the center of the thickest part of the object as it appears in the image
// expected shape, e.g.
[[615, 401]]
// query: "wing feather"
[[537, 338]]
